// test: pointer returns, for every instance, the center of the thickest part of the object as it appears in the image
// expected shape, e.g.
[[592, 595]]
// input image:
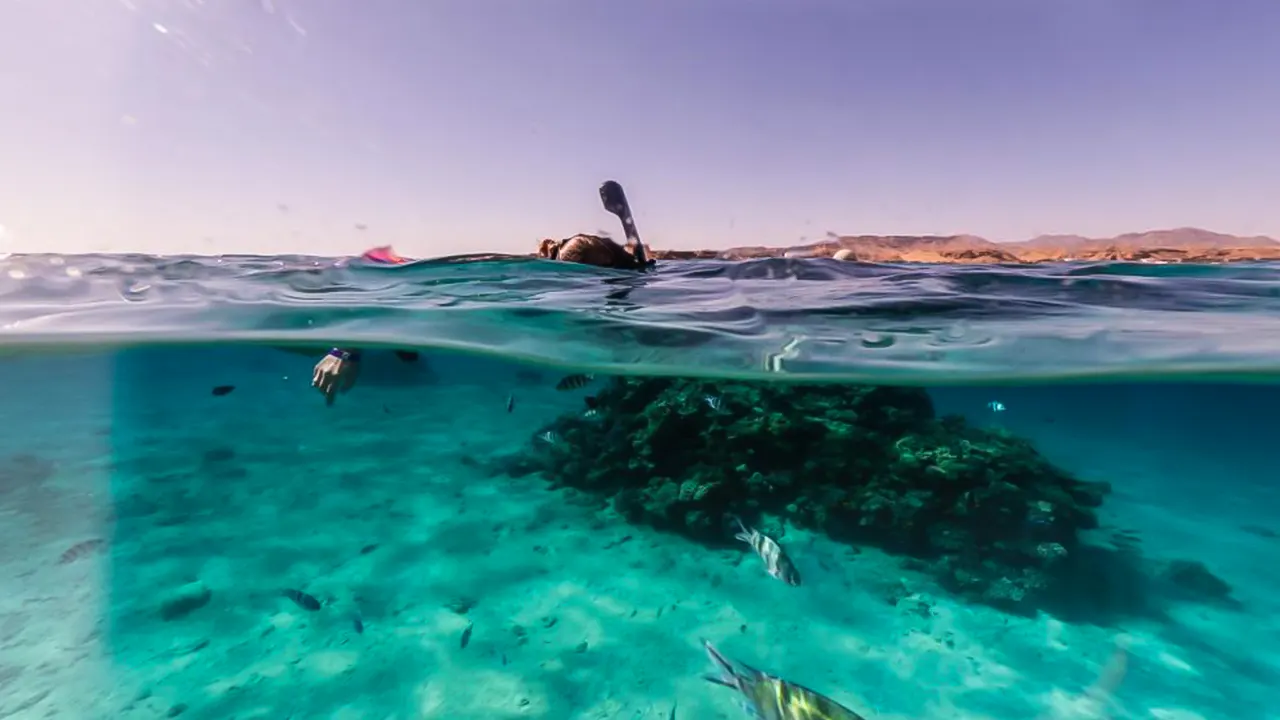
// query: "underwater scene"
[[784, 489]]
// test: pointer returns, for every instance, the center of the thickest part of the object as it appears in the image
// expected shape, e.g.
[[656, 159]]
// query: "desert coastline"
[[1189, 245]]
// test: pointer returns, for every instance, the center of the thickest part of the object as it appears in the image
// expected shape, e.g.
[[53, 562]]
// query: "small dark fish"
[[466, 635], [511, 402], [79, 550], [301, 599], [672, 716], [776, 562], [357, 624], [218, 455], [408, 356], [620, 541], [223, 390], [529, 377], [1260, 531], [574, 382], [592, 402]]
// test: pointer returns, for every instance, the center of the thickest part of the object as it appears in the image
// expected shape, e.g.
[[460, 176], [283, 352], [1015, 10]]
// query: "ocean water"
[[1008, 492]]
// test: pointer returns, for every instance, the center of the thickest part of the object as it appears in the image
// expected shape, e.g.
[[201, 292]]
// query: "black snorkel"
[[615, 201]]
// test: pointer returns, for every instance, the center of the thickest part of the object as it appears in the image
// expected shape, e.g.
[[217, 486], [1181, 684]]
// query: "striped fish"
[[766, 697], [775, 558], [573, 382]]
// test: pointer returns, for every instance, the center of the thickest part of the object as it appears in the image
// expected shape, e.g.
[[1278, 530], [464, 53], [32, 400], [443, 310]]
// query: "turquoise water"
[[1058, 501]]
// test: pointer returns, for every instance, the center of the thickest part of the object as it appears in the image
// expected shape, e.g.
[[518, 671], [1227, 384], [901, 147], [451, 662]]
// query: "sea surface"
[[188, 529]]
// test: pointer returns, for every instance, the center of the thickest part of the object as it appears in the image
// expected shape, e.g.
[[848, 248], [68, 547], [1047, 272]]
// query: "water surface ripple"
[[785, 318]]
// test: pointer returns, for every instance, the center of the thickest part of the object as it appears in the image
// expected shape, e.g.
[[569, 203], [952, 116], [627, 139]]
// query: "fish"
[[712, 401], [301, 599], [466, 635], [549, 437], [80, 549], [1260, 531], [776, 562], [766, 697], [511, 402], [574, 382], [592, 402], [221, 390], [995, 406], [591, 413]]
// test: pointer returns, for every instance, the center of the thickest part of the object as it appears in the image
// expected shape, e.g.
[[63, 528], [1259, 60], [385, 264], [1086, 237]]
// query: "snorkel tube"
[[615, 201]]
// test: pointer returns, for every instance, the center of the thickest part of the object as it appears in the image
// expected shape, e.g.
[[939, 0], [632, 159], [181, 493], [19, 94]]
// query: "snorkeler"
[[337, 371], [603, 251]]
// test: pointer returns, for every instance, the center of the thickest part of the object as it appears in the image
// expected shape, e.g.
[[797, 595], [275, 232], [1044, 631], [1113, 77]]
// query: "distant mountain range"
[[1176, 245]]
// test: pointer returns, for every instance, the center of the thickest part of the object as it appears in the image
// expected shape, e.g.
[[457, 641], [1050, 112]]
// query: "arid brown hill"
[[1178, 245]]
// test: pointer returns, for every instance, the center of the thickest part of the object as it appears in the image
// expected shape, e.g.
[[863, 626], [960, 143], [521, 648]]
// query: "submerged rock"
[[993, 519]]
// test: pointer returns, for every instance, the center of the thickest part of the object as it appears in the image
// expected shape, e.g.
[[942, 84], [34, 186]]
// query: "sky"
[[449, 126]]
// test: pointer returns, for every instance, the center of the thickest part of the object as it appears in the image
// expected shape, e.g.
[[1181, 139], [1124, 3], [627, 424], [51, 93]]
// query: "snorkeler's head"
[[549, 249]]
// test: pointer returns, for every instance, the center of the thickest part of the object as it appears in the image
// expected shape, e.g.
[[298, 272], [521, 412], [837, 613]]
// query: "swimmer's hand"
[[336, 373]]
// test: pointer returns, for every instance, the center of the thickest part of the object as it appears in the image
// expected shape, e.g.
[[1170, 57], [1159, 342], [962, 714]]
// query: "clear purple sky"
[[450, 126]]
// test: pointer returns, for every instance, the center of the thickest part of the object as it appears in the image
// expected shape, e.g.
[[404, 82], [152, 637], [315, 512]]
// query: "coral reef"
[[983, 512]]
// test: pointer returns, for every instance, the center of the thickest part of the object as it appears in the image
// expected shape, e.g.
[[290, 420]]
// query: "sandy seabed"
[[147, 546]]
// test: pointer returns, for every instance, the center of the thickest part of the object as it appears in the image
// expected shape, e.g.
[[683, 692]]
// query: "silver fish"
[[712, 402], [549, 437], [767, 697], [775, 558]]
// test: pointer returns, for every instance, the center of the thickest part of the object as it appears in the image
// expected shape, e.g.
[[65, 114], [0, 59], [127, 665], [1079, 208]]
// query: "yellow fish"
[[770, 698]]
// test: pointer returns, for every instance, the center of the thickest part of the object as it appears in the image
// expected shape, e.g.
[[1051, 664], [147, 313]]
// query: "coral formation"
[[990, 517]]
